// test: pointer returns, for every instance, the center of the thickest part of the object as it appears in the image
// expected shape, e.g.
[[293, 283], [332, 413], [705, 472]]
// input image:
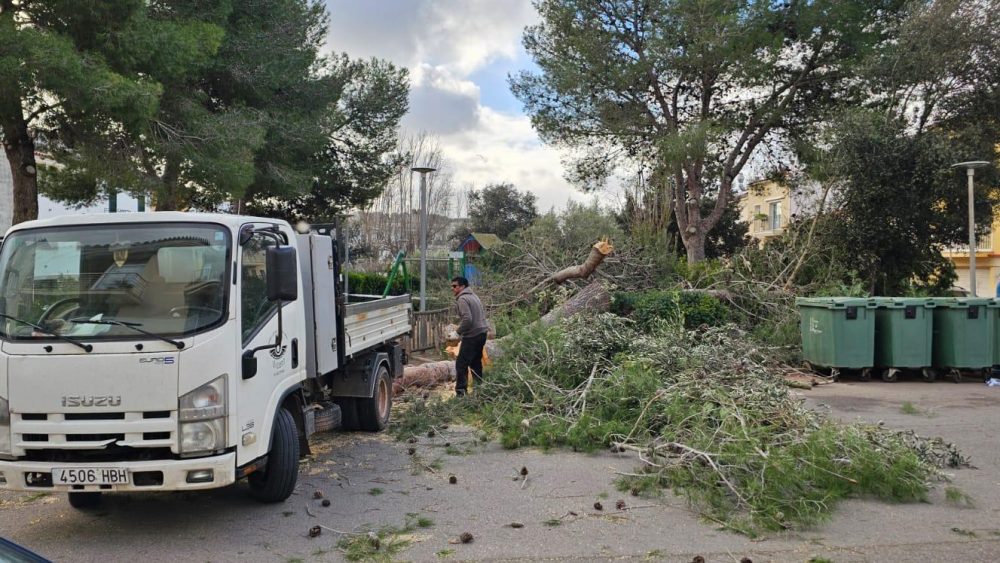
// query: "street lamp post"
[[970, 168], [423, 170]]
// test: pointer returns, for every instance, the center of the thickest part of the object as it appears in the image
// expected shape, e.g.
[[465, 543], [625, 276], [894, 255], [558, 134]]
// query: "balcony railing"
[[984, 243]]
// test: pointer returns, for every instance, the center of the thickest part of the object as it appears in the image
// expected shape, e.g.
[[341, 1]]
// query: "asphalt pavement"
[[373, 483]]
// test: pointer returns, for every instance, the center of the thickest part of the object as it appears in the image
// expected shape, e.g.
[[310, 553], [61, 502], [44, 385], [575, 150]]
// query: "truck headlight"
[[4, 426], [205, 402], [202, 413], [203, 436]]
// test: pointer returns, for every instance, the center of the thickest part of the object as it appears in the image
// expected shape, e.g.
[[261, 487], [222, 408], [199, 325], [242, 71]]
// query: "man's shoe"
[[459, 392]]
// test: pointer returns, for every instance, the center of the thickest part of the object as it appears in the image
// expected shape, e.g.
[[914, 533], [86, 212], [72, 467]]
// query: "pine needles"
[[708, 415]]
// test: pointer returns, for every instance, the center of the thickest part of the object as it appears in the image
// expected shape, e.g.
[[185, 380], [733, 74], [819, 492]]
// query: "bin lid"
[[962, 302], [835, 302], [903, 302]]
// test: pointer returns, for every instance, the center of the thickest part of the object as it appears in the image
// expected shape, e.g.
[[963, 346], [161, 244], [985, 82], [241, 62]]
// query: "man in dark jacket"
[[472, 329]]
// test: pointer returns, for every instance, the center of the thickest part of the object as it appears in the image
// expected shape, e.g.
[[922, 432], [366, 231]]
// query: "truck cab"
[[169, 351]]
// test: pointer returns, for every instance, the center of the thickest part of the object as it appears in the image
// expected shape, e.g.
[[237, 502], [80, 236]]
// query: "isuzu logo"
[[91, 400]]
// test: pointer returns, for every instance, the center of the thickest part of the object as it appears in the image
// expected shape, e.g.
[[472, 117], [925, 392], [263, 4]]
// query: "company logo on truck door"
[[91, 400], [165, 361]]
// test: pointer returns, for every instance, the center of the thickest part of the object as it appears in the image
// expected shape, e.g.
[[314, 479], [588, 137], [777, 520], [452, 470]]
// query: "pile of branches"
[[707, 413]]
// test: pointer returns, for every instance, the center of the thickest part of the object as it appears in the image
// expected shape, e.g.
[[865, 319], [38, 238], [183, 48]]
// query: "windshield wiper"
[[133, 326], [73, 341]]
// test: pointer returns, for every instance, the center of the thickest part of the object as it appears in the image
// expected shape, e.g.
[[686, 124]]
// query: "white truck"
[[177, 351]]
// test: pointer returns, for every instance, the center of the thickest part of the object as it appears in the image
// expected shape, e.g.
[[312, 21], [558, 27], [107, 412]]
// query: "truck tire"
[[373, 413], [277, 481], [83, 501]]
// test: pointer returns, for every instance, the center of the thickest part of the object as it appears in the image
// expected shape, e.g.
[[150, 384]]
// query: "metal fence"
[[428, 330]]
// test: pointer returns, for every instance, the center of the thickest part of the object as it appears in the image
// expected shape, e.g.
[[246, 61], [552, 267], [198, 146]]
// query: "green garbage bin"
[[963, 334], [904, 333], [993, 309], [838, 333]]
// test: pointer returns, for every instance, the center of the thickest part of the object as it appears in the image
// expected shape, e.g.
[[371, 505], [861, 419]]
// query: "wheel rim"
[[383, 398]]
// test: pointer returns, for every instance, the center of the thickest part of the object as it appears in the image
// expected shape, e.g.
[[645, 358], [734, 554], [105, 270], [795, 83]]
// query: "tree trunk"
[[694, 243], [20, 150], [25, 175]]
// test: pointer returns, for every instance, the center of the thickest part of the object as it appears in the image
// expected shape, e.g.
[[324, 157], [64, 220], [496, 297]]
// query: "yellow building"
[[767, 207], [987, 262]]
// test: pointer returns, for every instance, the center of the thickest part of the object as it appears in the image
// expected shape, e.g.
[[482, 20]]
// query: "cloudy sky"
[[459, 53]]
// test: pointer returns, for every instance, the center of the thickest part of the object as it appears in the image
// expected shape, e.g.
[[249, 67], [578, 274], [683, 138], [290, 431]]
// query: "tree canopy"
[[897, 202], [60, 64], [501, 209], [688, 88], [255, 116]]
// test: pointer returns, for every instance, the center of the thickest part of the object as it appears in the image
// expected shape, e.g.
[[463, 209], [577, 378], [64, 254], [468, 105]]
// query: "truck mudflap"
[[160, 475]]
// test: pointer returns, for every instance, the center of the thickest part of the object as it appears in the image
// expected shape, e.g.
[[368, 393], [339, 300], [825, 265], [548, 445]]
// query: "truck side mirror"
[[282, 274], [249, 367]]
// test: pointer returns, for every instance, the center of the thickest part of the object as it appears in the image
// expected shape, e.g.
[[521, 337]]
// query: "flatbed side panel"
[[372, 323]]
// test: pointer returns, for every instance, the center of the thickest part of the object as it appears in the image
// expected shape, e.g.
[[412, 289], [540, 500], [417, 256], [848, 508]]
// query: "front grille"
[[79, 431], [108, 454], [93, 437], [94, 416]]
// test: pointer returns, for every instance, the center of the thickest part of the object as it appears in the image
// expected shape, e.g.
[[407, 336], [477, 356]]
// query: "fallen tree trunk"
[[424, 375], [598, 253], [592, 299]]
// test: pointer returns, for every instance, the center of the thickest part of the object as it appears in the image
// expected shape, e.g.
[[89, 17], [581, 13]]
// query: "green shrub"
[[702, 309], [646, 308], [370, 283]]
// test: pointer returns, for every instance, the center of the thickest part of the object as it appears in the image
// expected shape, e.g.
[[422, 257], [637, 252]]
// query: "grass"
[[375, 491], [418, 465], [383, 544], [36, 496], [553, 522], [910, 408], [445, 553], [964, 532], [955, 496]]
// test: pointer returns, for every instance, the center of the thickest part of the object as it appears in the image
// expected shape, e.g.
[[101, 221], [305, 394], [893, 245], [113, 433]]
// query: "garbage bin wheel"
[[956, 375], [865, 374], [928, 374], [890, 375], [987, 373]]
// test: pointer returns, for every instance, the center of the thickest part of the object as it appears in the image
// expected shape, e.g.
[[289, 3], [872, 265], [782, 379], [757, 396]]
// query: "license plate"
[[90, 476]]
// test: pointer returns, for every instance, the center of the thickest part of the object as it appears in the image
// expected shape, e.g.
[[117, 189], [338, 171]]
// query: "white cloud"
[[463, 35], [444, 43], [505, 148]]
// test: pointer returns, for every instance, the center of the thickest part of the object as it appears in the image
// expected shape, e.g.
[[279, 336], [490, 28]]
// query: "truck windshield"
[[168, 279]]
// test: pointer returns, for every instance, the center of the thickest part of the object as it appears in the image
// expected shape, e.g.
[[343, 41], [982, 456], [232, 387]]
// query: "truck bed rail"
[[372, 320]]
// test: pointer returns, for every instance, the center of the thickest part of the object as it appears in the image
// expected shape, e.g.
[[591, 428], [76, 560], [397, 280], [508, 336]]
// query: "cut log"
[[598, 253], [424, 375]]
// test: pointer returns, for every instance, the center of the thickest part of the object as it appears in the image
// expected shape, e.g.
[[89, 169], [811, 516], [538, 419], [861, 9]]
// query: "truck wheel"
[[83, 501], [276, 482], [373, 413]]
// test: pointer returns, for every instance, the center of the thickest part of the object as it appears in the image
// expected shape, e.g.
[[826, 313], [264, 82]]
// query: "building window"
[[774, 215], [757, 221]]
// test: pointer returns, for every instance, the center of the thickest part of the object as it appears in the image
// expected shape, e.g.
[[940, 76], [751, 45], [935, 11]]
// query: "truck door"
[[278, 368]]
